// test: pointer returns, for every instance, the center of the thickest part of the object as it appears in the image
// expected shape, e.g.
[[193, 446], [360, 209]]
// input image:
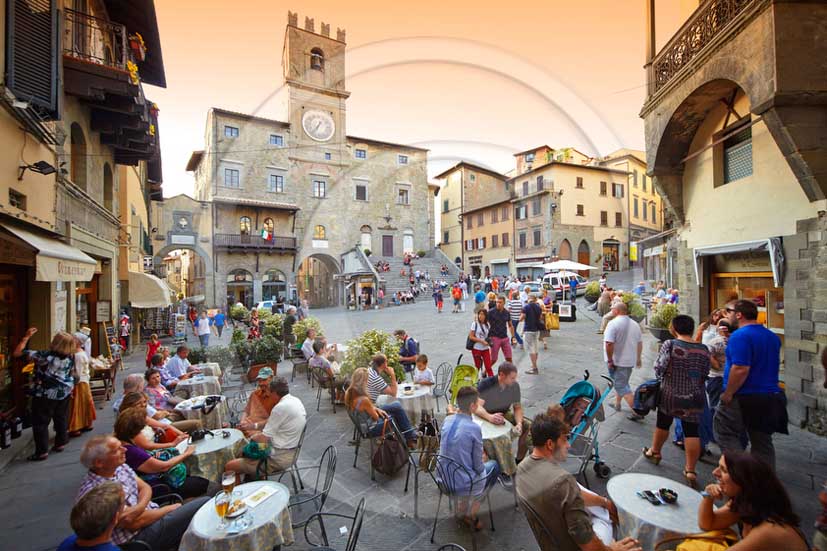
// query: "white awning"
[[500, 261], [771, 246], [528, 264], [55, 260], [147, 291]]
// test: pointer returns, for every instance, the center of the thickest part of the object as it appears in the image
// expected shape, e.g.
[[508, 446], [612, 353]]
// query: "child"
[[423, 375], [439, 301], [152, 348]]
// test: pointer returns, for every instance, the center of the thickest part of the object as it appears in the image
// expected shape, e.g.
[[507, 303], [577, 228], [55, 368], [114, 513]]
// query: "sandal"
[[532, 371], [691, 478], [652, 457], [35, 457]]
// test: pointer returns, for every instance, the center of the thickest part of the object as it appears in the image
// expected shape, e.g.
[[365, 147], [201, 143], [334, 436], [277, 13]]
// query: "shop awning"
[[147, 291], [771, 246], [500, 261], [55, 260]]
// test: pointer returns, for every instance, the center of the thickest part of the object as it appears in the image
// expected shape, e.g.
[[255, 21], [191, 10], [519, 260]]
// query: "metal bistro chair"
[[355, 528], [413, 464], [443, 376], [310, 501], [545, 539], [324, 382], [360, 432], [293, 469], [451, 547], [447, 474], [138, 545]]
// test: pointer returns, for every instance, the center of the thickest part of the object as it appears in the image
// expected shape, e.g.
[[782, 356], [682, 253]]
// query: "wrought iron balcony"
[[254, 242], [94, 40], [708, 22]]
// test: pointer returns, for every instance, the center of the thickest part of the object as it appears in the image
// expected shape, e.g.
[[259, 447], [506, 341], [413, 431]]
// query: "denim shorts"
[[620, 376]]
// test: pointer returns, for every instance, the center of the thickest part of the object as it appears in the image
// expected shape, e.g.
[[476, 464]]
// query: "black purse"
[[469, 344]]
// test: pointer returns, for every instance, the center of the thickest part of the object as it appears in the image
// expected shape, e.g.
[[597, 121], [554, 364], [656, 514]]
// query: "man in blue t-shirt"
[[93, 518], [752, 401]]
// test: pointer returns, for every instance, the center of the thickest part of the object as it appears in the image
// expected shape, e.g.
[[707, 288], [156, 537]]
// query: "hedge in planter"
[[662, 316], [592, 291], [636, 310], [300, 328], [361, 350], [238, 312]]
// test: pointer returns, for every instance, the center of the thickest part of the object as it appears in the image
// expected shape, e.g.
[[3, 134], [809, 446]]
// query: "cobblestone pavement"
[[42, 493]]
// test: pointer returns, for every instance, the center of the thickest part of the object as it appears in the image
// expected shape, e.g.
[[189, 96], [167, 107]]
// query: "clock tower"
[[314, 73]]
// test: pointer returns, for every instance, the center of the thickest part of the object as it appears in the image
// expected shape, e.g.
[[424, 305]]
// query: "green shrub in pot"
[[662, 316], [361, 350], [300, 329], [592, 291]]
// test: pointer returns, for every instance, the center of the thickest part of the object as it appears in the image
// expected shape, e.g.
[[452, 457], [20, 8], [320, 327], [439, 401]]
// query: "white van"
[[557, 280]]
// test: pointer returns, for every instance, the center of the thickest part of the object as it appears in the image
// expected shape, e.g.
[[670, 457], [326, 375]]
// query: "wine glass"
[[222, 504]]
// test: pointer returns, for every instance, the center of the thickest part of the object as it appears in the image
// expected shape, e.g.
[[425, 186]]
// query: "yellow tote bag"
[[552, 321], [714, 540]]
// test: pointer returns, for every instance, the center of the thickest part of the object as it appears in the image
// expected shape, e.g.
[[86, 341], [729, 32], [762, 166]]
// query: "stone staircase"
[[431, 263]]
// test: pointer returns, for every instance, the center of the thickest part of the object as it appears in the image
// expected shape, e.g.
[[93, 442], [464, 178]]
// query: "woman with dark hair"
[[757, 502], [478, 334], [682, 367]]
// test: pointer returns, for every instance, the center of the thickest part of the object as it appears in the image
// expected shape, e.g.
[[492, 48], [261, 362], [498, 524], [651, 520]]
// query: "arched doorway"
[[184, 271], [240, 288], [565, 250], [583, 254], [611, 255], [274, 285], [315, 281], [407, 242], [367, 239]]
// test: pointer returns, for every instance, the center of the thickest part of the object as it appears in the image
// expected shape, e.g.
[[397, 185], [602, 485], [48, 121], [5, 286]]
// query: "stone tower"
[[314, 72]]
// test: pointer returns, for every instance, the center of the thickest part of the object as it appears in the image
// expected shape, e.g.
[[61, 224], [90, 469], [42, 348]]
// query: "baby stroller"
[[583, 405], [463, 375]]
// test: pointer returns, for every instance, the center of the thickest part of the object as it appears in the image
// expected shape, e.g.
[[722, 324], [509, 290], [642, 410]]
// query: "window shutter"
[[33, 54]]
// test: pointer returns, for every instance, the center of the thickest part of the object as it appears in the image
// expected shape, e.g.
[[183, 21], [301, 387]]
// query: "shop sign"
[[633, 251], [103, 310]]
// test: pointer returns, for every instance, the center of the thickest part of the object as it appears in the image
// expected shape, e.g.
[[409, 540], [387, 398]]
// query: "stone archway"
[[208, 269], [315, 280]]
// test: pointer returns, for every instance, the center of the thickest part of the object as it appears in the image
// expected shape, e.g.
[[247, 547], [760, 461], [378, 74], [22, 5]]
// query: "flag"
[[266, 235]]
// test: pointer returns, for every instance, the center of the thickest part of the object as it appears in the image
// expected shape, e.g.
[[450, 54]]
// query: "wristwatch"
[[704, 493]]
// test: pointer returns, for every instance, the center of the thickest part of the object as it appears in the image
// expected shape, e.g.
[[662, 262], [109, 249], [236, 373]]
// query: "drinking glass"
[[228, 482], [222, 504]]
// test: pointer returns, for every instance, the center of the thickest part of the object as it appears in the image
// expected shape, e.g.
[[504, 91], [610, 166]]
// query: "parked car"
[[266, 305], [557, 280]]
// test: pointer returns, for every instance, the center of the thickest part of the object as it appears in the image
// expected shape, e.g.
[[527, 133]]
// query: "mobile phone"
[[649, 496]]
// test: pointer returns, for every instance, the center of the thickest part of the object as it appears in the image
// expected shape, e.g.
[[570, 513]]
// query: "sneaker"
[[532, 371], [635, 417]]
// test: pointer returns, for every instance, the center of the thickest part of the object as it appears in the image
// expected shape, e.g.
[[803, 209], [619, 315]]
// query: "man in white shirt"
[[202, 329], [307, 345], [622, 349], [282, 431]]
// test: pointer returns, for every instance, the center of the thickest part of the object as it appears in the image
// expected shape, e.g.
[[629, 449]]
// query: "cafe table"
[[419, 398], [651, 523], [496, 441], [269, 523], [211, 369], [191, 410], [214, 452], [197, 385]]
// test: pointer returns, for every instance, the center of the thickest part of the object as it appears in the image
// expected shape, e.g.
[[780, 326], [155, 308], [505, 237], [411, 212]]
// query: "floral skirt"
[[81, 408]]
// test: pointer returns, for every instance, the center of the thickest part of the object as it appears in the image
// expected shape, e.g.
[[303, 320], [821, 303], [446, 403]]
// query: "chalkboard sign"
[[112, 343]]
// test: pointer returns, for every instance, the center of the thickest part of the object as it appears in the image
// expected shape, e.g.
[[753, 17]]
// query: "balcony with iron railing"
[[94, 40], [708, 26], [254, 242]]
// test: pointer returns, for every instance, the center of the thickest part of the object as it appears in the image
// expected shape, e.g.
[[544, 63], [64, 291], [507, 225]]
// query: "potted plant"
[[368, 252], [661, 319], [361, 350], [239, 312], [420, 253], [592, 292], [636, 310], [266, 352]]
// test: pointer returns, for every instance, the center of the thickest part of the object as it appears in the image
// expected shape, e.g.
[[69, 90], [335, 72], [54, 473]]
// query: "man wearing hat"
[[260, 404]]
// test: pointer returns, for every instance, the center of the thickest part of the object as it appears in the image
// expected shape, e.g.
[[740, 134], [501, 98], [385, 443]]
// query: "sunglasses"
[[729, 309]]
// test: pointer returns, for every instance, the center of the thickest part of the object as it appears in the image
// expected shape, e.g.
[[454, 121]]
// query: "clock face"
[[318, 125], [183, 223]]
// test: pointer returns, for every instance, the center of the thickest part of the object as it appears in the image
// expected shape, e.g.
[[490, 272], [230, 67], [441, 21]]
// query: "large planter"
[[591, 299], [662, 335]]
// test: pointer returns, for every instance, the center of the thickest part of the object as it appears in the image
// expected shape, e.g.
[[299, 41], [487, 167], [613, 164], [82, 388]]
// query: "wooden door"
[[583, 254], [387, 245]]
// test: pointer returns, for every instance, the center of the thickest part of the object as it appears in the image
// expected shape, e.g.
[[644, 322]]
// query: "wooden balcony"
[[230, 241]]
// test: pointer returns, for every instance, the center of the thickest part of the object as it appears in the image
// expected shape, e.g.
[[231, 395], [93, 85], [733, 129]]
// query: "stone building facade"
[[735, 141]]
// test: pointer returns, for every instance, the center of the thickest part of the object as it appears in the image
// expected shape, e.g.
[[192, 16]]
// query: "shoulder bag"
[[469, 344], [390, 455], [714, 540]]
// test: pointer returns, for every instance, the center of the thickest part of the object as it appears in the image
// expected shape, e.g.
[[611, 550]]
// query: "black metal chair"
[[135, 545], [324, 382], [442, 380], [545, 539], [413, 464], [309, 501], [262, 472], [360, 432], [449, 476], [355, 528], [451, 547]]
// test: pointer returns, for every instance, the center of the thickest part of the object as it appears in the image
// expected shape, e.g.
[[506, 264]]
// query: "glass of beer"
[[228, 482], [222, 504]]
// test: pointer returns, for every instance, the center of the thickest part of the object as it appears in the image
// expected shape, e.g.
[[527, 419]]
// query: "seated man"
[[178, 368], [379, 391], [93, 519], [462, 442], [500, 401], [156, 419], [321, 361], [282, 432], [307, 345], [553, 493], [259, 405], [160, 527]]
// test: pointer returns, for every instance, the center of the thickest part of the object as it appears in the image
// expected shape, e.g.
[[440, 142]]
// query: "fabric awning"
[[771, 246], [500, 261], [147, 291], [55, 260]]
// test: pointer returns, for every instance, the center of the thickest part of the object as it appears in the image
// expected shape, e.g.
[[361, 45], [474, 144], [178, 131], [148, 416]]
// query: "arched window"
[[319, 233], [108, 187], [268, 225], [317, 59], [245, 226], [367, 241], [78, 156]]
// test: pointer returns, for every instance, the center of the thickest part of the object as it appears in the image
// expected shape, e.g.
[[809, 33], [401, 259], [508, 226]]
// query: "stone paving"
[[38, 496]]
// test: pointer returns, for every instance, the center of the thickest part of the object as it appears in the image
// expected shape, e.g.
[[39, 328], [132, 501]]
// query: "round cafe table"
[[213, 453], [212, 420], [496, 441], [210, 369], [270, 524], [420, 399], [651, 523], [197, 385]]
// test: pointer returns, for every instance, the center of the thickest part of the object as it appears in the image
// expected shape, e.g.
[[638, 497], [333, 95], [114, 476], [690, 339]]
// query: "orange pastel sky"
[[468, 80]]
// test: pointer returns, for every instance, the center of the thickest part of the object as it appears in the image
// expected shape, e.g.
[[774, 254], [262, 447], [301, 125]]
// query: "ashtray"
[[667, 495]]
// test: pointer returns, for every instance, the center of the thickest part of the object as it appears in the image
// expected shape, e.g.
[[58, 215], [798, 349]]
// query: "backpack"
[[646, 397], [415, 346]]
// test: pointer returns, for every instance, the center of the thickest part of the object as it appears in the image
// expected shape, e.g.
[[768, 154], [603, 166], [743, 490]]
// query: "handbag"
[[469, 344], [647, 396], [552, 321], [390, 455], [174, 476], [714, 540], [253, 451]]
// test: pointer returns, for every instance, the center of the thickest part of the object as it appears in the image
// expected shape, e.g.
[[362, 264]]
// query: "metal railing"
[[94, 40], [708, 21], [253, 241]]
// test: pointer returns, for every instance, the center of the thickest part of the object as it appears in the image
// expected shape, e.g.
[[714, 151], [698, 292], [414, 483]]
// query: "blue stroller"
[[583, 406]]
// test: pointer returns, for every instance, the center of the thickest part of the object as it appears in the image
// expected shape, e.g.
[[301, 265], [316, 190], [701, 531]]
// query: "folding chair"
[[324, 382], [443, 376]]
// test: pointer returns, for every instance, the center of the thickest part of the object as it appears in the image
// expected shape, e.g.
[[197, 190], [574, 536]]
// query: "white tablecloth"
[[213, 420], [496, 440], [414, 403]]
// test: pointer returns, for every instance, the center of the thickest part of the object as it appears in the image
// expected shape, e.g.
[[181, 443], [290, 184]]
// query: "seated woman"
[[319, 361], [357, 400], [157, 394], [171, 472], [169, 435], [756, 501]]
